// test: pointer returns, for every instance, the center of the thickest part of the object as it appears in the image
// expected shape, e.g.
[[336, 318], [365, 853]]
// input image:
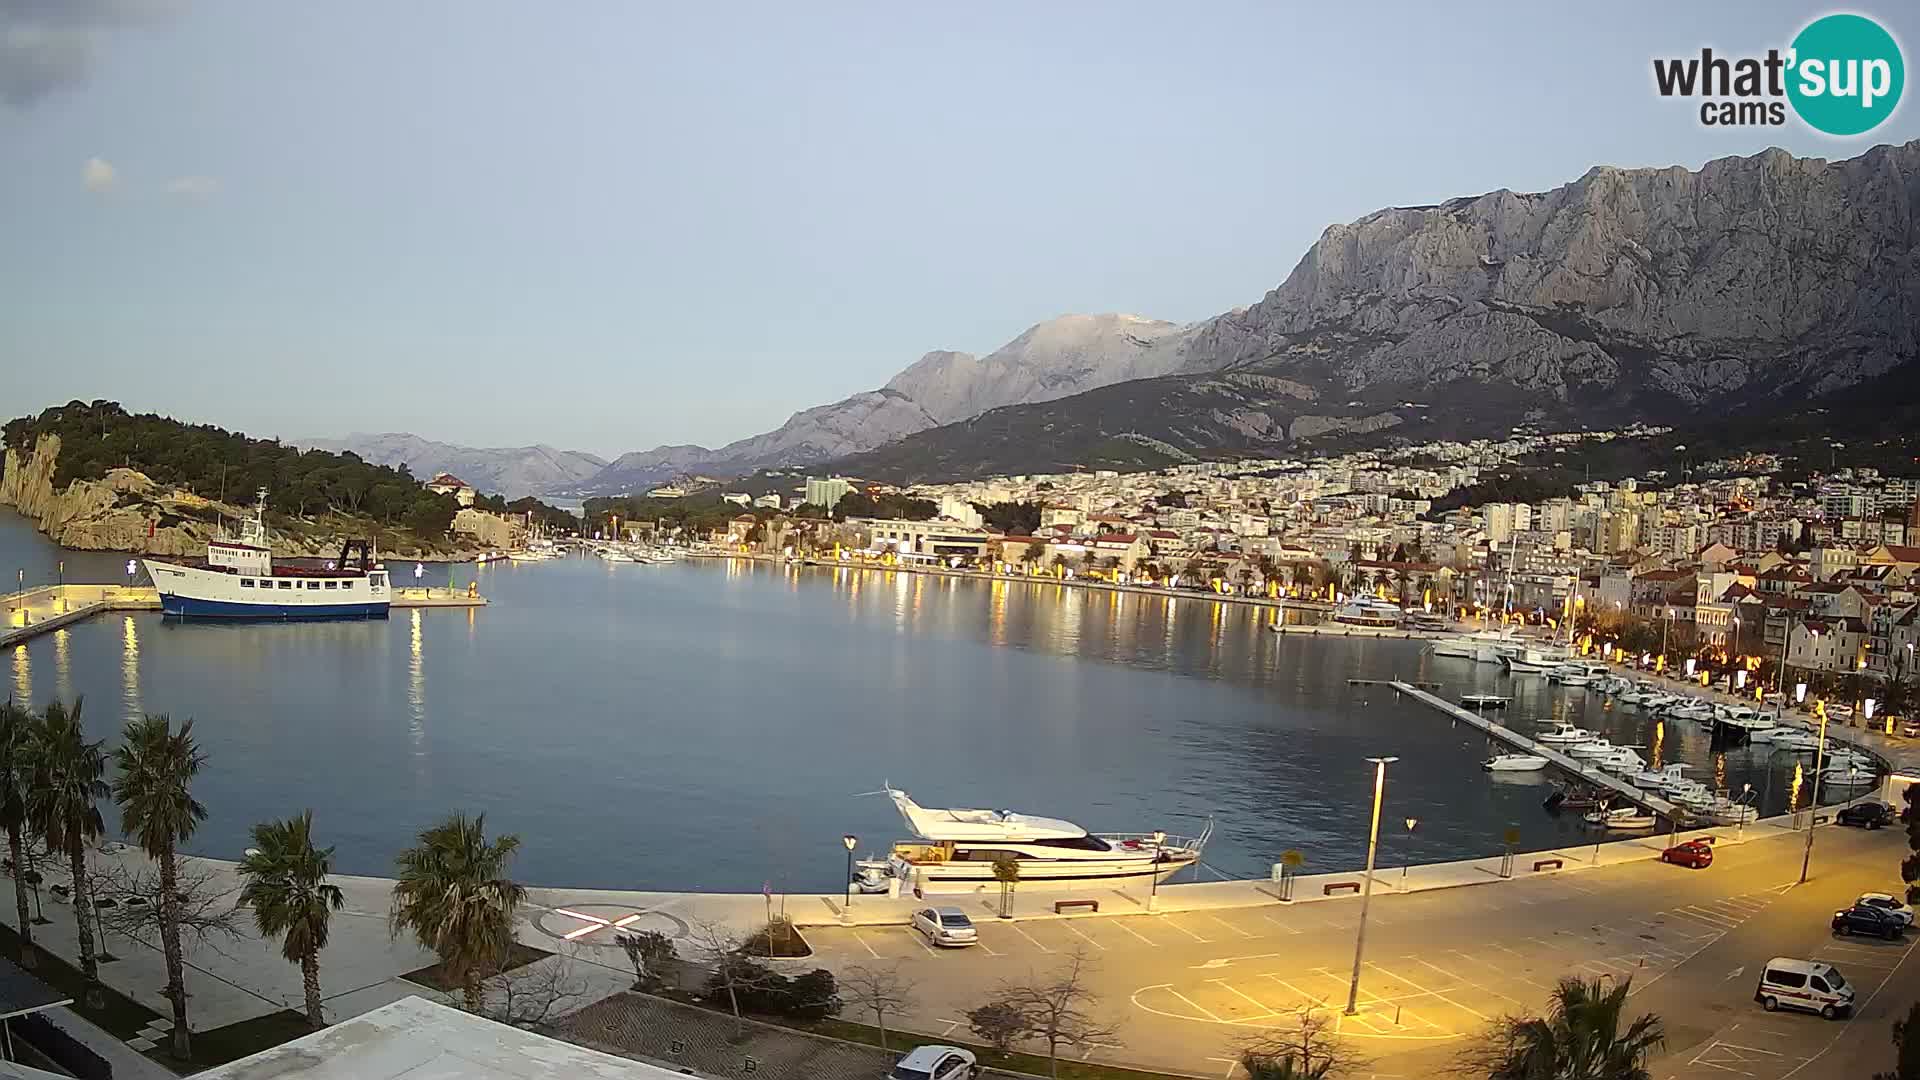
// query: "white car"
[[936, 1063], [945, 926], [1885, 902]]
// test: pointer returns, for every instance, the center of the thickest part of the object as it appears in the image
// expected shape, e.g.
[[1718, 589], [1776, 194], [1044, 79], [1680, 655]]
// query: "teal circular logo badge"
[[1847, 74]]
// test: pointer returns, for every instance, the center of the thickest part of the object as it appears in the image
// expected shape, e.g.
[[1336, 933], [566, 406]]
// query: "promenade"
[[47, 608]]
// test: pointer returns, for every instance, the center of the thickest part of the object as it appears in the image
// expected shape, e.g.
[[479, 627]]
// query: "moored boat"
[[238, 580], [959, 847], [1514, 763]]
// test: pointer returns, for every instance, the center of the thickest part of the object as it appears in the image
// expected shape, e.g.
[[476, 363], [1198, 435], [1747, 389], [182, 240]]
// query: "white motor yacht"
[[1665, 777], [959, 847], [1595, 747], [1621, 819], [1563, 734], [1623, 761], [1515, 763]]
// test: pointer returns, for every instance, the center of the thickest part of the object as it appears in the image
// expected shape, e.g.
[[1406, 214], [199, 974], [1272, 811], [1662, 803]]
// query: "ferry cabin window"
[[313, 584], [331, 585], [246, 583], [346, 584], [286, 584]]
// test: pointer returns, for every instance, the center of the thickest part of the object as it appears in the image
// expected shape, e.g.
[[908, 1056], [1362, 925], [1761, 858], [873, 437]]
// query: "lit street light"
[[1408, 860], [1813, 807], [1366, 893], [849, 840]]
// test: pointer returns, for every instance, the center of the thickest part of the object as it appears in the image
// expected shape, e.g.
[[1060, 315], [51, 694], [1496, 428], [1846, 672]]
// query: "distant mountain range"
[[509, 471], [1748, 286]]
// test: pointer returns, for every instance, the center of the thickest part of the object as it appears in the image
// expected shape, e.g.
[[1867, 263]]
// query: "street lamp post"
[[1665, 625], [1746, 789], [1153, 879], [1813, 807], [1366, 893], [1407, 861], [849, 840]]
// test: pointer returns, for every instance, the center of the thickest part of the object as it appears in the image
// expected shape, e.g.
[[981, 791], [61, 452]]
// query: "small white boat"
[[1620, 819], [1670, 775], [1515, 763], [1799, 742], [1850, 776], [1693, 795], [1563, 734], [1484, 701], [1595, 747], [1623, 761]]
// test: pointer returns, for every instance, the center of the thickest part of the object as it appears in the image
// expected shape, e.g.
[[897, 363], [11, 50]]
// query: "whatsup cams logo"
[[1841, 75]]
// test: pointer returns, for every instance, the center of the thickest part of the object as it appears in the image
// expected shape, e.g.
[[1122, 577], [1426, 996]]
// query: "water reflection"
[[129, 668], [22, 674], [63, 664], [416, 686]]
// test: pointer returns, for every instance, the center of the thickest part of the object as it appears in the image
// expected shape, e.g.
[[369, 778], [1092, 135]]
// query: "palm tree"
[[287, 888], [63, 782], [16, 730], [454, 894], [1580, 1038], [157, 766]]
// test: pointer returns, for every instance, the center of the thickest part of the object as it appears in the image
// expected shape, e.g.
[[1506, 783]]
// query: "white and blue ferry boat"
[[238, 580]]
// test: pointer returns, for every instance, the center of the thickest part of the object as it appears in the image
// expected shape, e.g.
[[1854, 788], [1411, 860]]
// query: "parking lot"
[[1186, 987]]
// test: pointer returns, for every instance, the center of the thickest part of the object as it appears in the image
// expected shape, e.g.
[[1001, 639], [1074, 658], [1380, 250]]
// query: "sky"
[[612, 225]]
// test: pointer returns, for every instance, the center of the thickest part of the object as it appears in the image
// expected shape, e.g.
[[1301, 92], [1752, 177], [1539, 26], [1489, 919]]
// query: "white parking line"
[[1266, 1010], [1089, 940], [863, 943], [1288, 927], [1436, 994], [1145, 940], [1184, 930], [919, 939], [1469, 982], [1231, 927], [1196, 1006], [1015, 927]]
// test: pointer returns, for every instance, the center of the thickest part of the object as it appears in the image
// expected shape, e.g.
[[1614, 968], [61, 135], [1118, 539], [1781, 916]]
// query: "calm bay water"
[[706, 725]]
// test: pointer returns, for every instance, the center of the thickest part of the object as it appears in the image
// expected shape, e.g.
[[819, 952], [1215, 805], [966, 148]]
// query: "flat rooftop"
[[416, 1039]]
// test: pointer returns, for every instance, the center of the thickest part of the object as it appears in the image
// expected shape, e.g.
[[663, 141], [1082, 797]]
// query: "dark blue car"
[[1863, 919]]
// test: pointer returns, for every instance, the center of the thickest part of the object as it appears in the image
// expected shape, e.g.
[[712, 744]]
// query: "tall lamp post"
[[849, 840], [1407, 862], [1366, 893], [1153, 879], [1665, 625], [1819, 764]]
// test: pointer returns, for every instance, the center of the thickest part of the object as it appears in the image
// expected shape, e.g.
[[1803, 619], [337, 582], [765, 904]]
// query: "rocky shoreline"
[[126, 511]]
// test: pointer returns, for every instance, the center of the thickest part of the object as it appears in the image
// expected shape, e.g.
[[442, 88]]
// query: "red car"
[[1697, 854]]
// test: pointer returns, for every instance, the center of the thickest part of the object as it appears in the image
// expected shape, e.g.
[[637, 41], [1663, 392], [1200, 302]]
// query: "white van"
[[1804, 984]]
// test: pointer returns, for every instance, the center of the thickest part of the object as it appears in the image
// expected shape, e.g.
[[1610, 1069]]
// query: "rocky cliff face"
[[127, 511], [1752, 284]]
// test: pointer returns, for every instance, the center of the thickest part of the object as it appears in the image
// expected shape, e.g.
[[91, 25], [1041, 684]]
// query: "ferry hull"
[[187, 607], [1032, 871]]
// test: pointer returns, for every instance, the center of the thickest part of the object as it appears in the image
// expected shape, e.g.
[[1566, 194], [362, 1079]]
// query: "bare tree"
[[648, 951], [1306, 1048], [878, 990], [733, 973], [528, 996], [1059, 1009], [204, 904]]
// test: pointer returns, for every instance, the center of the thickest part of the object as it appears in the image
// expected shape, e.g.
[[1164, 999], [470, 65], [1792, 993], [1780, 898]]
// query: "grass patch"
[[434, 976], [901, 1041], [118, 1013], [220, 1045]]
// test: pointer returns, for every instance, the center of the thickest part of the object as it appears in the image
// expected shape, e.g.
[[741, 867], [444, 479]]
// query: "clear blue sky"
[[613, 225]]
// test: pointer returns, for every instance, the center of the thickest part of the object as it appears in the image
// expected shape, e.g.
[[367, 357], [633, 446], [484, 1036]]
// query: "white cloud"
[[47, 46], [193, 187], [98, 176]]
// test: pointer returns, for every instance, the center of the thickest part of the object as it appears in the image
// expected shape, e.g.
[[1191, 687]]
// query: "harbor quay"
[[1186, 969], [46, 608]]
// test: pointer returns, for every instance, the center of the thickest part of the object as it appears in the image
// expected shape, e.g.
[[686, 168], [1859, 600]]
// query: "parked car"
[[1910, 729], [1867, 919], [935, 1063], [1867, 815], [1697, 854], [1804, 984], [945, 926], [1886, 902]]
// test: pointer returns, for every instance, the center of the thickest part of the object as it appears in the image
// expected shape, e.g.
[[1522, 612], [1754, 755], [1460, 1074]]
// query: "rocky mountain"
[[509, 471], [1751, 284], [1050, 360]]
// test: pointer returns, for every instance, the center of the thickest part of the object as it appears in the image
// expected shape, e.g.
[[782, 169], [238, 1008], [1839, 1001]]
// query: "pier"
[[1589, 773], [47, 608]]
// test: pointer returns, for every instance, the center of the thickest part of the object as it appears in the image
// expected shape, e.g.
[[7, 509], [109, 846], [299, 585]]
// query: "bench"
[[1547, 864], [1060, 906], [1328, 890]]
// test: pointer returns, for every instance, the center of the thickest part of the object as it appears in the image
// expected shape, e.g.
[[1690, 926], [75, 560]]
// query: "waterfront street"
[[1188, 986], [1222, 961]]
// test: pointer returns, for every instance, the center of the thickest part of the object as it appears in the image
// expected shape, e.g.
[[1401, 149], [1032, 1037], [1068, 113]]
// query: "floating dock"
[[1591, 774], [42, 610]]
